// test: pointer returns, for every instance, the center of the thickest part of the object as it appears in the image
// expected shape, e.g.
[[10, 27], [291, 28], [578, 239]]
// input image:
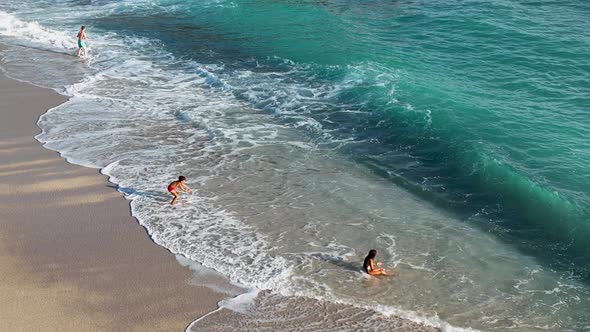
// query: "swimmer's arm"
[[186, 188]]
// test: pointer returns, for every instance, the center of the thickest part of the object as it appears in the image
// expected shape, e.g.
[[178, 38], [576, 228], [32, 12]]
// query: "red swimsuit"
[[171, 188]]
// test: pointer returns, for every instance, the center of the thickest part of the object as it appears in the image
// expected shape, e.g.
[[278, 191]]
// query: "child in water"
[[172, 188], [81, 42], [373, 268]]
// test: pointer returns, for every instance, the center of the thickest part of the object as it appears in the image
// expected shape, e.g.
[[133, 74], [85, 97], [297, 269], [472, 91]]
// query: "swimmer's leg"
[[175, 194], [382, 272]]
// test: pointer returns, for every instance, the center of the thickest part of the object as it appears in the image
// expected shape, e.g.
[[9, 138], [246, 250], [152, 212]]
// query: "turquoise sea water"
[[475, 111], [485, 101]]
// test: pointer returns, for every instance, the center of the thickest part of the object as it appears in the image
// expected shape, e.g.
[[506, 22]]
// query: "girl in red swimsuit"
[[172, 188]]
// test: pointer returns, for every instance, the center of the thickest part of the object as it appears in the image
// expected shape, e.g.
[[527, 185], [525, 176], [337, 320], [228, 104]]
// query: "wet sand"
[[72, 256]]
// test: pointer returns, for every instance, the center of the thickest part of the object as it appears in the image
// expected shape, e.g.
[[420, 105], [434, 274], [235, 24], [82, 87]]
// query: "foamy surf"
[[265, 312], [11, 26]]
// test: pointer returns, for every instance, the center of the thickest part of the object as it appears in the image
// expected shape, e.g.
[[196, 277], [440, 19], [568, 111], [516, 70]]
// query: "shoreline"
[[100, 271], [73, 257], [71, 305]]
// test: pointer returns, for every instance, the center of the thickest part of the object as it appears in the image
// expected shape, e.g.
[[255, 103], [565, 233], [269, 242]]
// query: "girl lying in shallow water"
[[373, 268]]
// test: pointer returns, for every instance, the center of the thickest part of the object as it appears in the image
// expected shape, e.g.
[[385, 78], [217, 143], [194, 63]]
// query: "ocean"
[[451, 136]]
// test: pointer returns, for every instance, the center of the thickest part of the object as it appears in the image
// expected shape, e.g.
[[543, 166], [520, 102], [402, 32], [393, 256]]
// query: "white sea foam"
[[11, 26], [242, 302]]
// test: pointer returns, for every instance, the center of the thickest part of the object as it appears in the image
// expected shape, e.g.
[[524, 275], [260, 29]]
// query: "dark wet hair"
[[181, 178], [371, 255], [83, 27]]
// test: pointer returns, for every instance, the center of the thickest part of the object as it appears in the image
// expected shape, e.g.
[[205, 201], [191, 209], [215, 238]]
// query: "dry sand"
[[72, 258]]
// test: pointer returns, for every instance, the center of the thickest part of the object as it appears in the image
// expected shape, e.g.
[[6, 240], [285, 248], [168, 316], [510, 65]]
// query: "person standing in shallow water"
[[81, 42], [175, 185], [373, 268]]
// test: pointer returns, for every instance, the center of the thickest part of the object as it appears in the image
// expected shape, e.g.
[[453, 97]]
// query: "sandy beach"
[[72, 257]]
